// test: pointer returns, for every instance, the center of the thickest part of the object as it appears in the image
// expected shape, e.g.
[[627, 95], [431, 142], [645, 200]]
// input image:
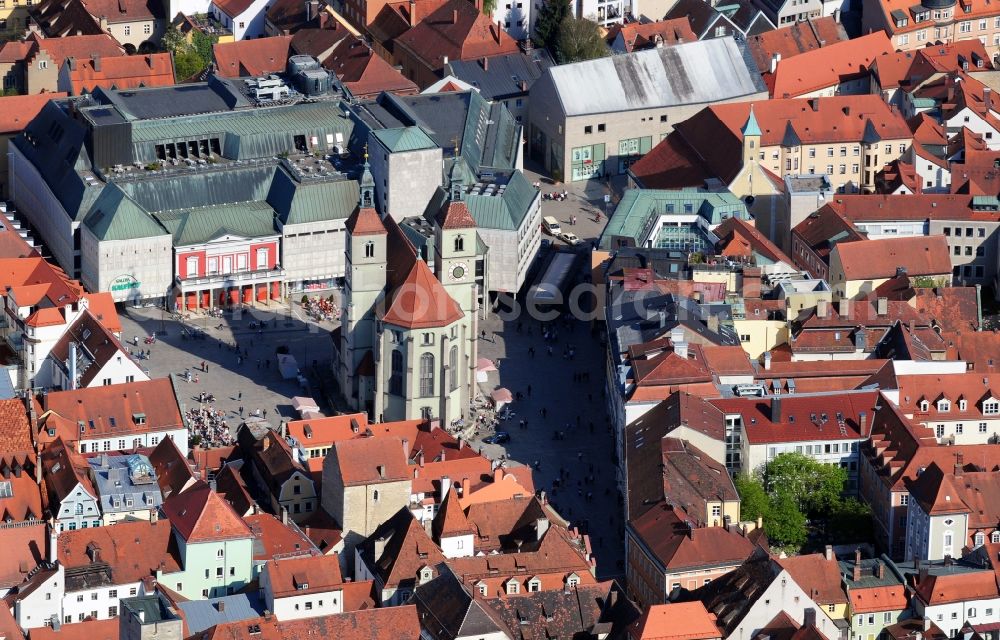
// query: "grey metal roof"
[[204, 614], [196, 226], [501, 76], [174, 101], [690, 73], [219, 185], [116, 216]]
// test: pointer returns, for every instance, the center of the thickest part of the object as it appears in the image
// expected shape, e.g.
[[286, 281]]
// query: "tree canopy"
[[550, 16], [579, 39], [190, 58], [793, 489]]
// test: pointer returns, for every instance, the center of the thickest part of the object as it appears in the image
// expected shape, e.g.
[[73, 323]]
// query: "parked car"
[[500, 437], [570, 238]]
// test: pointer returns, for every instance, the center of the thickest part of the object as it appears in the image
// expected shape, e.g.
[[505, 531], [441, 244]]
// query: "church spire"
[[367, 187]]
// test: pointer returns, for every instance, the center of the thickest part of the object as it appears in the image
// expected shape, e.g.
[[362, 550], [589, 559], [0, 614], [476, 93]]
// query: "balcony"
[[224, 280]]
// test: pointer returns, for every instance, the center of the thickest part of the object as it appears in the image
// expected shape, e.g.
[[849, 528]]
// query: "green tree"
[[814, 487], [579, 39], [203, 43], [173, 40], [754, 501], [550, 16], [785, 525], [186, 64], [850, 521]]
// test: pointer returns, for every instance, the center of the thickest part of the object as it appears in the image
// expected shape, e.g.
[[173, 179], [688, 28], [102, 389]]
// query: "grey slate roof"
[[204, 614], [689, 73], [502, 75], [125, 478], [487, 134], [451, 610]]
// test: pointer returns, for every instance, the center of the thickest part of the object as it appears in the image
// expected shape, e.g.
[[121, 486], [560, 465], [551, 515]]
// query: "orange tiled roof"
[[872, 259], [256, 57], [17, 111], [275, 539], [304, 575], [816, 575], [456, 31], [829, 66], [133, 549], [89, 629], [365, 221], [371, 460], [421, 301], [125, 72], [676, 621], [111, 410], [794, 39], [201, 515], [24, 549], [642, 35]]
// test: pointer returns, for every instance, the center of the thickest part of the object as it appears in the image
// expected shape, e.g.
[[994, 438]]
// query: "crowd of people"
[[209, 426], [321, 308]]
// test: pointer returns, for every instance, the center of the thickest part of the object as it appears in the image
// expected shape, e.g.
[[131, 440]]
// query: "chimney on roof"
[[775, 59], [413, 13], [498, 474], [880, 570], [776, 409], [499, 31], [814, 104], [767, 361], [154, 516], [958, 470], [882, 306], [97, 62], [828, 552], [822, 309], [863, 423], [809, 617], [454, 16], [485, 62], [284, 515], [844, 307], [948, 560], [713, 323], [220, 606], [406, 448], [921, 574], [445, 486], [420, 458], [986, 97], [856, 574], [466, 486]]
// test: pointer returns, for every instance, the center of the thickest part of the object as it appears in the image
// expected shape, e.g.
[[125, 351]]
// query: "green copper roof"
[[505, 211], [115, 216], [751, 128], [404, 139], [638, 210], [196, 226], [301, 203]]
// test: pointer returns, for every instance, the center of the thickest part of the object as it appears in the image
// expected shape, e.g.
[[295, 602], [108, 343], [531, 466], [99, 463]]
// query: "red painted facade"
[[203, 258]]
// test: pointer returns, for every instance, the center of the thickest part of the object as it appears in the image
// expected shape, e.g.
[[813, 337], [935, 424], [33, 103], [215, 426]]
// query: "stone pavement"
[[570, 392], [244, 380]]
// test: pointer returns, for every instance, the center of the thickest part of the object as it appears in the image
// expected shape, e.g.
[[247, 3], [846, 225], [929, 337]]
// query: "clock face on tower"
[[458, 272]]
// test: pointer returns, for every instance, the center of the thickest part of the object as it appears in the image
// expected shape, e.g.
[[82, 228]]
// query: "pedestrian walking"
[[239, 396], [265, 414], [241, 411]]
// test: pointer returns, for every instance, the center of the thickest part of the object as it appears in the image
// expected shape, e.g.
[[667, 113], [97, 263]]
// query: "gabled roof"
[[405, 549], [828, 67], [644, 35], [17, 111], [370, 460], [25, 548], [132, 550], [365, 221], [303, 575], [456, 216], [456, 31], [794, 39], [681, 546], [675, 621], [364, 73], [817, 576], [873, 259], [124, 72], [201, 515], [255, 57], [173, 472], [453, 611], [65, 469]]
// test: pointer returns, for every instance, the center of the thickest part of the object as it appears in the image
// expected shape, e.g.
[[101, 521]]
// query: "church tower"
[[456, 244], [364, 286]]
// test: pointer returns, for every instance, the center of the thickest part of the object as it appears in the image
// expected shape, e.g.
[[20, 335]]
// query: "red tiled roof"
[[752, 237], [89, 629], [371, 460], [126, 72], [675, 621], [973, 388], [74, 46], [421, 301], [873, 599], [173, 473], [801, 417], [829, 66], [15, 433], [17, 111], [133, 549], [450, 520], [456, 31], [365, 221], [957, 587], [817, 576], [456, 216], [257, 57], [273, 539], [794, 39], [25, 501], [201, 515], [300, 576], [389, 623], [233, 8], [24, 548], [922, 207], [873, 259], [644, 35], [110, 410], [680, 547], [364, 73]]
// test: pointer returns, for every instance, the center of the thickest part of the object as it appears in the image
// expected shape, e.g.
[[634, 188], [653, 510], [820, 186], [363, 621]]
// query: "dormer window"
[[963, 404], [572, 580], [979, 539], [534, 585], [513, 588], [944, 405], [924, 405], [991, 407], [995, 537], [902, 22]]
